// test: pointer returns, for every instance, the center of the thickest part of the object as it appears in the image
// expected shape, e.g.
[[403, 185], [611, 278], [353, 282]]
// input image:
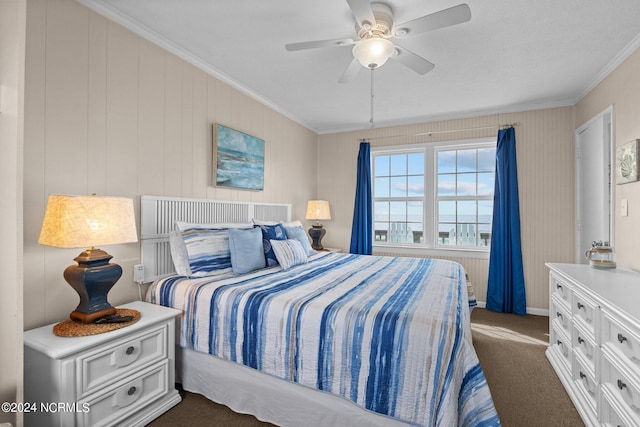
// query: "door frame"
[[610, 112]]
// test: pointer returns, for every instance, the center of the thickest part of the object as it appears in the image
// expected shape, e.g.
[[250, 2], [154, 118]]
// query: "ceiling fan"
[[376, 33]]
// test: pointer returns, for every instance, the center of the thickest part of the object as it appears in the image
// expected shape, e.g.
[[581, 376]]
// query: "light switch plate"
[[624, 208]]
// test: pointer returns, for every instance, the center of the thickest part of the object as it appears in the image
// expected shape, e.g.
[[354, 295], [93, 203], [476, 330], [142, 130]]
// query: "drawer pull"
[[131, 391], [582, 375], [580, 340], [621, 338], [130, 350], [559, 342], [558, 286], [580, 306], [559, 315], [621, 385]]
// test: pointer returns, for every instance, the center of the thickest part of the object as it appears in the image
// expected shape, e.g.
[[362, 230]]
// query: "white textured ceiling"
[[512, 56]]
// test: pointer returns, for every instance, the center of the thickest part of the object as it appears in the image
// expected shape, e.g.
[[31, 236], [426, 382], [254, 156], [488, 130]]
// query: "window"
[[434, 196]]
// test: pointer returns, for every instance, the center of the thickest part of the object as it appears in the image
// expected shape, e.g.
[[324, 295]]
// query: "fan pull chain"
[[371, 119]]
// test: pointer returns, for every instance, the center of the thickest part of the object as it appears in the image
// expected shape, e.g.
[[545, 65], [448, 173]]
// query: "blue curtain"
[[506, 291], [362, 226]]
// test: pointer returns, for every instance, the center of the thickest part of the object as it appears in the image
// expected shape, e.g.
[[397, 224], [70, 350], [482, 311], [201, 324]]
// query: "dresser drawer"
[[584, 311], [622, 387], [120, 359], [561, 344], [126, 397], [561, 316], [610, 415], [586, 383], [561, 290], [621, 339], [584, 345]]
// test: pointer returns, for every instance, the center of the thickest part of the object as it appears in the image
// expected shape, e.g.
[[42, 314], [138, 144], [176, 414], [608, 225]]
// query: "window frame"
[[430, 242]]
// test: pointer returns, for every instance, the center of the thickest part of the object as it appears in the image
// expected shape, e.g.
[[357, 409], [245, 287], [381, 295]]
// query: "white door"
[[593, 183]]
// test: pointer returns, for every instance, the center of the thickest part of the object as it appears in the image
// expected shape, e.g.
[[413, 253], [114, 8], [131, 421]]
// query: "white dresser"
[[594, 341], [124, 377]]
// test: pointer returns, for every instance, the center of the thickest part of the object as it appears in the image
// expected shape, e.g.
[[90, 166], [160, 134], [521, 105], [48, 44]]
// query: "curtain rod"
[[503, 126]]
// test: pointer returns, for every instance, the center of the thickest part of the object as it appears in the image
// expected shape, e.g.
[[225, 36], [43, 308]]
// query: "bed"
[[331, 338]]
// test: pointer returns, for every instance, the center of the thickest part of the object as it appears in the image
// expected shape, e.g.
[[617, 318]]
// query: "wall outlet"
[[138, 273]]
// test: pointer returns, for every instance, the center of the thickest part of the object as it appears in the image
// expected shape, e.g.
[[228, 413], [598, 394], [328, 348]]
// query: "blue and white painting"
[[240, 159]]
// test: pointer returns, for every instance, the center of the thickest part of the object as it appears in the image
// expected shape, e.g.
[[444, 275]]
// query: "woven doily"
[[73, 328]]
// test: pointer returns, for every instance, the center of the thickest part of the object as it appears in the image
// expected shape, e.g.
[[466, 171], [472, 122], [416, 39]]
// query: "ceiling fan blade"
[[411, 60], [363, 12], [318, 43], [445, 18], [351, 72]]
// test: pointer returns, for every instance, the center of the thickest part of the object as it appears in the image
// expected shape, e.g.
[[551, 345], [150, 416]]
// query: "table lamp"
[[317, 210], [86, 222]]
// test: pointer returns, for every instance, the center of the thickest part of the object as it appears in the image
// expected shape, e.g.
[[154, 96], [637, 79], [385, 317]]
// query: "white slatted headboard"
[[159, 214]]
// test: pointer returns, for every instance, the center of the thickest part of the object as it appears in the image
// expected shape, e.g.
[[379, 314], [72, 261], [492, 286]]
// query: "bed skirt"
[[270, 399]]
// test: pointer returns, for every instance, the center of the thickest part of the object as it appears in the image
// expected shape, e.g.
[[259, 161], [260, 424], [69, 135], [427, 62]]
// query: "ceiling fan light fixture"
[[373, 52]]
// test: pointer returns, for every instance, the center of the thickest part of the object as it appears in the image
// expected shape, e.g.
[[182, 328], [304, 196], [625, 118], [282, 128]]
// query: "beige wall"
[[546, 178], [12, 39], [622, 90], [108, 112]]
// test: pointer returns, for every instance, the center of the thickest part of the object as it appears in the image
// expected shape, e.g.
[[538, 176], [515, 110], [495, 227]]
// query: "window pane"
[[381, 187], [381, 232], [466, 161], [381, 165], [466, 211], [447, 211], [485, 235], [399, 186], [466, 234], [485, 211], [486, 159], [447, 184], [399, 164], [381, 211], [446, 234], [446, 161], [415, 212], [415, 186], [466, 184], [486, 182], [415, 163], [398, 211]]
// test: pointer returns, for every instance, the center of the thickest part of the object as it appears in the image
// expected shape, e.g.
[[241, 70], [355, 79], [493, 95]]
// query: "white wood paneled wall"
[[544, 141], [109, 112]]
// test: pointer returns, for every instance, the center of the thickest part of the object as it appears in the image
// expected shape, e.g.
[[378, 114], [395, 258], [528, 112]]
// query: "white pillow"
[[289, 252], [179, 253]]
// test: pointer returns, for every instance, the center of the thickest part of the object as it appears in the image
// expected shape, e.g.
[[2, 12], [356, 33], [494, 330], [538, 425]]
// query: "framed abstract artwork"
[[239, 159], [627, 162]]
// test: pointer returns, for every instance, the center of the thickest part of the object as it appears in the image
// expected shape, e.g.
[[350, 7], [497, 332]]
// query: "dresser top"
[[620, 287], [44, 340]]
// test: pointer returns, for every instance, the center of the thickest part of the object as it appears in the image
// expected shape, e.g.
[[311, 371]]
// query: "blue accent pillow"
[[300, 235], [271, 232], [247, 252]]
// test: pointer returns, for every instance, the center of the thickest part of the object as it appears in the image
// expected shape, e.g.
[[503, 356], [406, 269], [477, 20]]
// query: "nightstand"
[[332, 250], [122, 377]]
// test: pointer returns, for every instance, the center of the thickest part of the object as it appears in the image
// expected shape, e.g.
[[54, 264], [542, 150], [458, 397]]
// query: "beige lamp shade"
[[318, 210], [87, 221]]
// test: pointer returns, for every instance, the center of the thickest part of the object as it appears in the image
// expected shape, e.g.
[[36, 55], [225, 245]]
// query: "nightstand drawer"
[[120, 359], [584, 311], [124, 398]]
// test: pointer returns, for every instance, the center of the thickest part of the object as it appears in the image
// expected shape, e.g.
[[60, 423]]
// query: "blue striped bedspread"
[[391, 334]]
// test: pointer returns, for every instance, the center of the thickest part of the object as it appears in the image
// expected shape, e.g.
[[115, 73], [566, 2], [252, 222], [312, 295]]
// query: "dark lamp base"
[[91, 317], [92, 279], [317, 232]]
